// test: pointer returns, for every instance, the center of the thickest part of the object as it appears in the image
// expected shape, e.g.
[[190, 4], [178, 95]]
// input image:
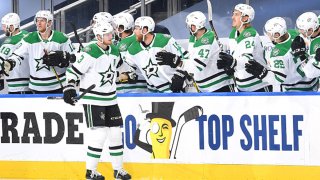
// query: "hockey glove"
[[229, 71], [131, 77], [7, 66], [177, 81], [298, 47], [58, 58], [226, 61], [168, 58], [256, 69], [69, 93], [317, 57]]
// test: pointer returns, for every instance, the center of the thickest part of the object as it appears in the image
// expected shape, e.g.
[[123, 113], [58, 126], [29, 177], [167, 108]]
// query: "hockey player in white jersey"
[[97, 65], [245, 45], [48, 52], [308, 26], [142, 54], [124, 23], [18, 79], [204, 53], [285, 69]]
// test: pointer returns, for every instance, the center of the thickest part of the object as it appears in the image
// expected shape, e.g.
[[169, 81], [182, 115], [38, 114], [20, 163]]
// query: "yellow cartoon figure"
[[160, 130]]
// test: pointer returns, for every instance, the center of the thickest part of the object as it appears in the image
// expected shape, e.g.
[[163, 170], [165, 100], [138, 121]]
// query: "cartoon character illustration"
[[160, 129]]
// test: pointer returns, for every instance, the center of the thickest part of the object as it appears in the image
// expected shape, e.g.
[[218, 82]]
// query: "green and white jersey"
[[244, 47], [96, 66], [312, 67], [18, 79], [143, 58], [286, 71], [141, 85], [33, 47], [202, 62]]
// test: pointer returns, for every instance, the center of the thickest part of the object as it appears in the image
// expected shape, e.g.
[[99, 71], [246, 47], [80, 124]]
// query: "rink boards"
[[222, 135]]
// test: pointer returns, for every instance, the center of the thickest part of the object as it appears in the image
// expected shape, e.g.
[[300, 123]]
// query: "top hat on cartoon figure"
[[162, 110]]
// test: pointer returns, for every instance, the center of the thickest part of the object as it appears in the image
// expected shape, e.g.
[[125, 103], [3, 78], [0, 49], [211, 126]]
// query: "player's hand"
[[298, 47], [317, 57], [58, 58], [256, 69], [128, 77], [226, 61], [69, 93], [7, 66], [168, 58], [177, 80]]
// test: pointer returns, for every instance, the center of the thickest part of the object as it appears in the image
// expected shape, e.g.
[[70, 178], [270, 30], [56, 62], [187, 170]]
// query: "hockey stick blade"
[[75, 98]]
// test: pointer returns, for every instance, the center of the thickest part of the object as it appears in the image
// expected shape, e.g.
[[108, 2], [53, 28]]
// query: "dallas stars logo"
[[40, 65], [151, 70], [107, 76]]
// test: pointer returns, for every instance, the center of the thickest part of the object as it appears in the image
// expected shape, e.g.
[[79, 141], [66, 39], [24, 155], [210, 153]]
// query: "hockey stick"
[[76, 36], [78, 97], [216, 34], [57, 76], [190, 114]]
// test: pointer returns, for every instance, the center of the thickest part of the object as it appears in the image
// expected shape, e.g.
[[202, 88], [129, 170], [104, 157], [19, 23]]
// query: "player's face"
[[107, 39], [236, 16], [42, 25], [137, 32]]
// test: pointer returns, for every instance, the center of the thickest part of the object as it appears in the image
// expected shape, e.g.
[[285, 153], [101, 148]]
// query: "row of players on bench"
[[155, 62]]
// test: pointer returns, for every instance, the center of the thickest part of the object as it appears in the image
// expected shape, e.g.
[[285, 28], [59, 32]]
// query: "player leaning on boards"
[[124, 24], [142, 54], [245, 45], [204, 53], [285, 69], [308, 26], [40, 48], [18, 79], [97, 65]]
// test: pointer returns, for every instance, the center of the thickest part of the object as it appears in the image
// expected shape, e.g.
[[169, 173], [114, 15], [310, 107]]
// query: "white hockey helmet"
[[11, 19], [145, 21], [276, 25], [307, 21], [44, 14], [102, 28], [245, 10], [196, 18], [102, 17], [124, 19]]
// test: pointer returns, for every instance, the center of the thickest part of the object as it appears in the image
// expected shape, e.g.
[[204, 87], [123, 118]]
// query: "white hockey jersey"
[[18, 79], [202, 62], [286, 71], [244, 47], [141, 85], [96, 66], [33, 47], [158, 77], [312, 67]]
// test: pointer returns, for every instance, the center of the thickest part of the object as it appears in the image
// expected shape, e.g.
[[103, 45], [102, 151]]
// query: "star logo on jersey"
[[151, 69], [40, 65], [123, 47], [205, 40], [316, 46], [102, 116], [247, 34], [275, 51], [107, 76]]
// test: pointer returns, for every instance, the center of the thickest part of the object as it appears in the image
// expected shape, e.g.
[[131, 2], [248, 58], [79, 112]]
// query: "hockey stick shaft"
[[211, 23], [76, 36], [78, 97], [57, 76]]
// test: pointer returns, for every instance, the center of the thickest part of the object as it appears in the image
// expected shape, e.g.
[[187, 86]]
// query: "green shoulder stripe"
[[315, 44], [126, 42], [161, 40], [59, 37], [93, 50], [281, 49], [114, 50], [192, 39], [248, 32], [16, 38], [233, 33], [135, 48], [207, 38], [32, 38]]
